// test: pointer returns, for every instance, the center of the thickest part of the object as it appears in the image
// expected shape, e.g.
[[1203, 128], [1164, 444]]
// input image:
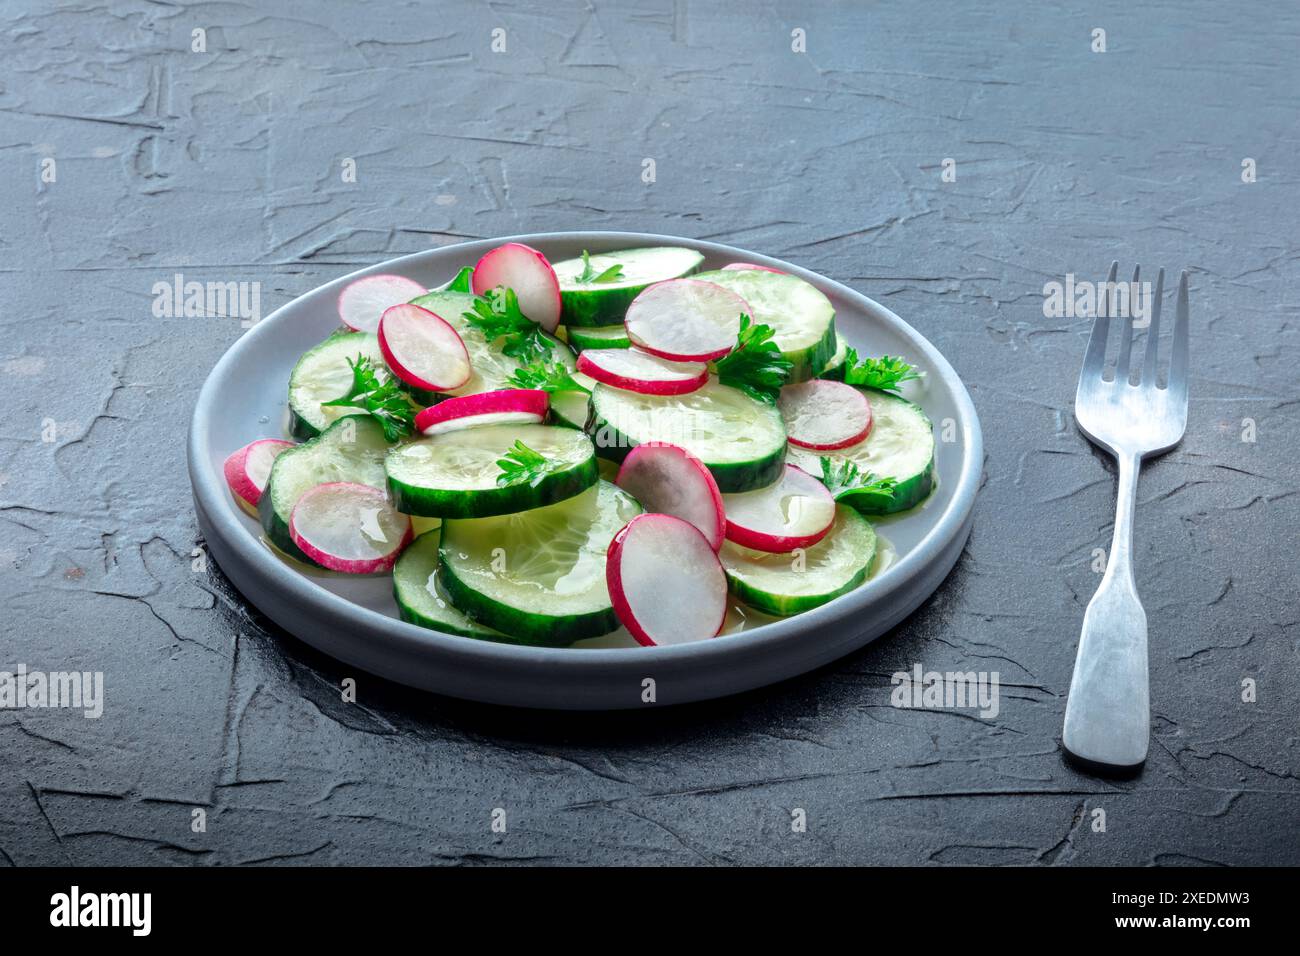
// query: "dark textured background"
[[225, 166]]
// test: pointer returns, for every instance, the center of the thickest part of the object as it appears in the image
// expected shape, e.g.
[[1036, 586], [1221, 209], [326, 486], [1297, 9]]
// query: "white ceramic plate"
[[355, 619]]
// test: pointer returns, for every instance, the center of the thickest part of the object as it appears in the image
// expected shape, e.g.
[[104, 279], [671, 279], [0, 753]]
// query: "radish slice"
[[520, 406], [422, 349], [636, 371], [824, 415], [247, 469], [526, 271], [670, 480], [362, 302], [686, 320], [736, 266], [795, 512], [665, 582], [349, 527]]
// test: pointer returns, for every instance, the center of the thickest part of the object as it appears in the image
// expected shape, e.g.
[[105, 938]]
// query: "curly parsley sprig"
[[755, 366], [547, 376], [379, 396], [498, 316], [522, 464], [885, 373], [589, 275], [844, 477]]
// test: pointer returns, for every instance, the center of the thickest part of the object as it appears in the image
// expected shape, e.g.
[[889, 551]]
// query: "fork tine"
[[1153, 333], [1178, 360], [1095, 357], [1126, 334]]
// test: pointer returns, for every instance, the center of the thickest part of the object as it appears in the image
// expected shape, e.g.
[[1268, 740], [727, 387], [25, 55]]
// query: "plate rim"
[[210, 496]]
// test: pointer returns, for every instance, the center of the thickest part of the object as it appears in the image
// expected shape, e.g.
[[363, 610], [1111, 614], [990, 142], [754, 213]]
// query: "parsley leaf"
[[588, 275], [755, 366], [522, 464], [885, 373], [383, 400], [463, 282], [846, 477], [548, 376], [497, 316]]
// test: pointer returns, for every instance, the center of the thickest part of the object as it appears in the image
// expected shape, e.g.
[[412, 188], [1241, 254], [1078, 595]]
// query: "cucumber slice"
[[899, 446], [786, 584], [740, 440], [492, 368], [571, 408], [351, 449], [419, 601], [322, 374], [834, 369], [802, 318], [455, 475], [538, 576], [591, 304], [611, 337]]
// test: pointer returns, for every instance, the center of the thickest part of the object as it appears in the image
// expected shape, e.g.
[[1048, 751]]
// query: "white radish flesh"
[[248, 468], [794, 512], [636, 371], [526, 271], [665, 581], [670, 480], [348, 527], [824, 415], [686, 320], [362, 302], [423, 349], [521, 406]]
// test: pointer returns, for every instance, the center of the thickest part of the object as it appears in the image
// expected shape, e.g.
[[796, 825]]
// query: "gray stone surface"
[[225, 165]]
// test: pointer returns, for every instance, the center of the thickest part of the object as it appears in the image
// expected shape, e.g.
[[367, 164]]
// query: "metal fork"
[[1108, 715]]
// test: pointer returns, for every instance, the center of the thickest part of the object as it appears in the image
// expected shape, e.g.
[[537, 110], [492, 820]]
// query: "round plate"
[[354, 618]]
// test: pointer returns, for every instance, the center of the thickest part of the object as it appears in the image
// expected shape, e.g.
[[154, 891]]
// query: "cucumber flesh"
[[454, 475], [322, 374], [492, 368], [570, 408], [351, 449], [801, 317], [785, 584], [740, 440], [591, 304], [419, 600], [573, 408], [538, 576], [612, 337], [899, 446]]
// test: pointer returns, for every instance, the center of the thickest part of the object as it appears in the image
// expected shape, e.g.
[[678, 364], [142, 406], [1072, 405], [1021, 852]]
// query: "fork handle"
[[1108, 712]]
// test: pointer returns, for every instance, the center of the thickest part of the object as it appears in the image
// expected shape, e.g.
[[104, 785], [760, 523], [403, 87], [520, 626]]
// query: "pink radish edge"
[[618, 581], [691, 472], [782, 543], [243, 483], [750, 266], [590, 365], [529, 273], [678, 357], [333, 562], [529, 402], [374, 294], [439, 335]]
